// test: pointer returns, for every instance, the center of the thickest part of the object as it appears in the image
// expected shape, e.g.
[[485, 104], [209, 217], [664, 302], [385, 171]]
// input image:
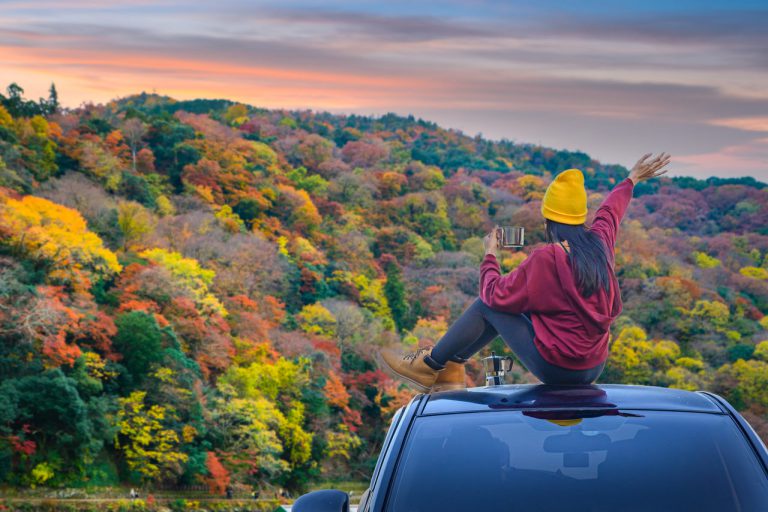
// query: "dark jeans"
[[478, 325]]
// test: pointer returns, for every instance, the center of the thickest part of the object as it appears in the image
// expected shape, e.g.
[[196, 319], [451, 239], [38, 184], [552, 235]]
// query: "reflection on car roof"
[[532, 397]]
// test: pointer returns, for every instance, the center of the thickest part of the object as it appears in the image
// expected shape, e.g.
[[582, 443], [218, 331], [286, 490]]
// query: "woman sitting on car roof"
[[555, 310]]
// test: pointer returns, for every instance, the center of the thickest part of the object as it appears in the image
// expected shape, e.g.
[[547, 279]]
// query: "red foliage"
[[373, 378], [218, 476], [273, 309], [327, 346], [309, 279], [359, 153], [335, 392], [351, 418], [251, 319], [145, 161], [205, 173], [59, 352], [329, 208], [20, 446], [51, 322], [97, 331]]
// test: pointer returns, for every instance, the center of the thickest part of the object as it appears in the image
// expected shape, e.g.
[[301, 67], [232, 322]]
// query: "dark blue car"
[[600, 448]]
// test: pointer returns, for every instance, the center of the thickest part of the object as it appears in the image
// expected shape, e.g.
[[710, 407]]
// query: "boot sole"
[[392, 373], [446, 387]]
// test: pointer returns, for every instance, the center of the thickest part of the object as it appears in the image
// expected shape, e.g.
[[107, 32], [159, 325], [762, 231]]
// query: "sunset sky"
[[614, 79]]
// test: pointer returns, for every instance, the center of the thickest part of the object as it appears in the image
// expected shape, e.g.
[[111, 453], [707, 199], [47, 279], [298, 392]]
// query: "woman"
[[555, 310]]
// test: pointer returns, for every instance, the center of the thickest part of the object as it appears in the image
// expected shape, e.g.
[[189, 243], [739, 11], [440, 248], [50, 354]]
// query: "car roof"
[[529, 397]]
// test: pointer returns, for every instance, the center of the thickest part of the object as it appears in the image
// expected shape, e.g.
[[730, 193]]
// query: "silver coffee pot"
[[495, 369]]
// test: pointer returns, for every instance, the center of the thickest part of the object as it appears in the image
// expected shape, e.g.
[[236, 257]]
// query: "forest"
[[192, 292]]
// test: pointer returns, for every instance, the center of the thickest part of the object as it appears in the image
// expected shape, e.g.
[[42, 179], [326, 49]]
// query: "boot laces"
[[413, 355]]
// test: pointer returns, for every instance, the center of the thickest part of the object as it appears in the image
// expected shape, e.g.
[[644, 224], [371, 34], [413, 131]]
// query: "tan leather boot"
[[453, 376], [409, 367]]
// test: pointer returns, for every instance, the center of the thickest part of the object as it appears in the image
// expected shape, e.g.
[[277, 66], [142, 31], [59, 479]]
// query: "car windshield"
[[634, 461]]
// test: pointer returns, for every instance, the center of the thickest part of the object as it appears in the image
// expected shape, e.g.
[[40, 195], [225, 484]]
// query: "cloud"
[[357, 25], [742, 159], [607, 83], [752, 124]]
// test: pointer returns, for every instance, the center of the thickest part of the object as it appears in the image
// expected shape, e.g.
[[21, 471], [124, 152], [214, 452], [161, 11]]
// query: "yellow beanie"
[[565, 200]]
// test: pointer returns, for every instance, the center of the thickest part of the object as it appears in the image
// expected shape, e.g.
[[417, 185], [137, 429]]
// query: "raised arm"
[[611, 212]]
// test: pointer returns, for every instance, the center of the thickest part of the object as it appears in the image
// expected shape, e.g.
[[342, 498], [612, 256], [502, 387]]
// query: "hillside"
[[193, 290]]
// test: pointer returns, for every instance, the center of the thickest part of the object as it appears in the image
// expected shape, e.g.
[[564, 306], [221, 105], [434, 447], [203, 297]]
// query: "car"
[[592, 448]]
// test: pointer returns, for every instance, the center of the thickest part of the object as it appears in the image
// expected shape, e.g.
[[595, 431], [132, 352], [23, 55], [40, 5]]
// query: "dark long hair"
[[586, 254]]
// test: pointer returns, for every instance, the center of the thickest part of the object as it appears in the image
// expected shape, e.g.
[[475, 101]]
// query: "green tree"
[[53, 100], [140, 340], [394, 291], [57, 419]]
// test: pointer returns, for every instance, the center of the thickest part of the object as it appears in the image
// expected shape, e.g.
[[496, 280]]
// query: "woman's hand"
[[646, 169], [491, 242]]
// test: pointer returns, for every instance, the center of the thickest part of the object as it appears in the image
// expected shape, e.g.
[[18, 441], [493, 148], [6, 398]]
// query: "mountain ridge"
[[218, 276]]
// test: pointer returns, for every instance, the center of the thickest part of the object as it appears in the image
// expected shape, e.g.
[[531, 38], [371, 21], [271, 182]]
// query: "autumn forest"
[[192, 292]]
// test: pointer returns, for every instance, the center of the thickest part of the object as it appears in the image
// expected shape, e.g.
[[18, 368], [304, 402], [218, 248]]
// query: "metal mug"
[[511, 236], [495, 369]]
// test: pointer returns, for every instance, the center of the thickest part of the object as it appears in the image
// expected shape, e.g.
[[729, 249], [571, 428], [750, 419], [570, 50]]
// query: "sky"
[[614, 79]]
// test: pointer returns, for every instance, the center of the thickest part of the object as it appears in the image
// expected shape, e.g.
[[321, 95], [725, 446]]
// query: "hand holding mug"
[[492, 242]]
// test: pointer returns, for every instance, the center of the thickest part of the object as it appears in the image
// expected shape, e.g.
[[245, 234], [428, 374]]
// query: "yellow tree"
[[637, 360], [135, 221], [236, 114], [761, 350], [713, 312], [150, 448], [56, 238], [266, 396], [751, 381], [191, 275], [316, 319], [371, 295]]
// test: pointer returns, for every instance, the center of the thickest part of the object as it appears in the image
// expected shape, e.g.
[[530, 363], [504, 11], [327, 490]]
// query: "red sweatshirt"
[[571, 331]]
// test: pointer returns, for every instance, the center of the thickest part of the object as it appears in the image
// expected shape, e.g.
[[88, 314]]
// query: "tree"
[[99, 162], [394, 290], [140, 340], [191, 275], [236, 114], [218, 476], [761, 351], [365, 154], [751, 383], [637, 360], [134, 131], [704, 260], [57, 421], [314, 151], [316, 319], [341, 443], [56, 238], [53, 100], [135, 222], [149, 446]]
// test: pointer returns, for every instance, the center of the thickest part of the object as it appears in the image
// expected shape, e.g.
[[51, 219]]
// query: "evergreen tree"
[[53, 100], [394, 290]]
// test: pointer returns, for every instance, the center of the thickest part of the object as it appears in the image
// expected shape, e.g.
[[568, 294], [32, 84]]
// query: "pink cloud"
[[751, 124], [737, 160]]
